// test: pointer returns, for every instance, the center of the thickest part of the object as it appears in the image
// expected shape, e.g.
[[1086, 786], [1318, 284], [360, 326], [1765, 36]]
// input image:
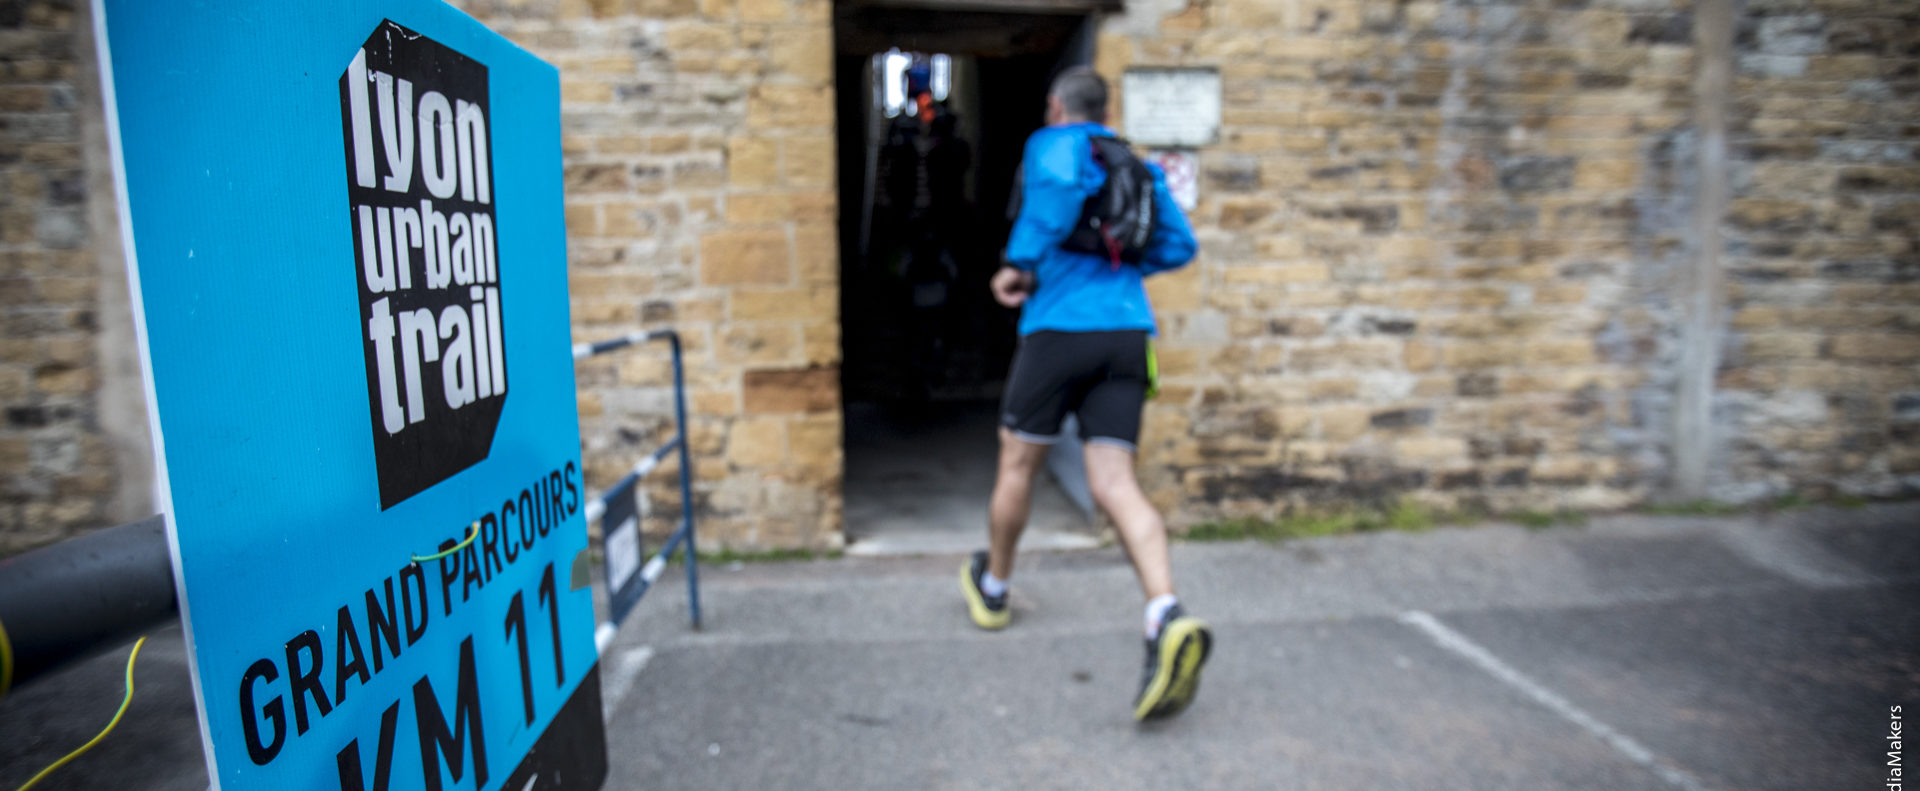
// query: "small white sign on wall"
[[1171, 108], [1183, 175]]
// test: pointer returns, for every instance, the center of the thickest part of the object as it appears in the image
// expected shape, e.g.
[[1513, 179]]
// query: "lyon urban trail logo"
[[420, 201]]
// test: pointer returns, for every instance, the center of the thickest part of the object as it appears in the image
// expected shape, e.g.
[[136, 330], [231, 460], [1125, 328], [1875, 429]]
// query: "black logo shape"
[[420, 200]]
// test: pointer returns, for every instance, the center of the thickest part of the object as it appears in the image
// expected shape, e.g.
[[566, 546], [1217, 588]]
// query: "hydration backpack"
[[1117, 222]]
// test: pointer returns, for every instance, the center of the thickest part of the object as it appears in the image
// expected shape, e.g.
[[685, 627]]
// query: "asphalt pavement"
[[1635, 652]]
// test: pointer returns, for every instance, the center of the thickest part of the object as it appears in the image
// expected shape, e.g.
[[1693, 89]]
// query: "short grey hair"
[[1083, 93]]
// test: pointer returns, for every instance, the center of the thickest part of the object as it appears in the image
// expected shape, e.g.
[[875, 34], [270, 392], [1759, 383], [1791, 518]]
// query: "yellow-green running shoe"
[[989, 612], [1172, 672]]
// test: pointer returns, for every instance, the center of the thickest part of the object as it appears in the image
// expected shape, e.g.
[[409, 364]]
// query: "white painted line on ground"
[[626, 670], [1634, 751], [941, 543], [603, 637], [1792, 555]]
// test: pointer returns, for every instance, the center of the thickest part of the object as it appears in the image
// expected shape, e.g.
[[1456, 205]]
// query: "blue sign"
[[344, 227]]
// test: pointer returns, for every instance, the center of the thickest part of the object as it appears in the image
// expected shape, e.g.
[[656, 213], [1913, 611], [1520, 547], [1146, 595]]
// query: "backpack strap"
[[1113, 244]]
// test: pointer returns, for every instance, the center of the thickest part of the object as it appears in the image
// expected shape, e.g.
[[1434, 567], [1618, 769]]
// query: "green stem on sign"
[[473, 532]]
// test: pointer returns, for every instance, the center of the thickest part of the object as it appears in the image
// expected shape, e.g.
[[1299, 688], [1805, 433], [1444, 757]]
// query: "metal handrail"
[[684, 534]]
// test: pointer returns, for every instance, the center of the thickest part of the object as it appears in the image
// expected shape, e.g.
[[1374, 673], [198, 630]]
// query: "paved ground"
[[1635, 653], [918, 484]]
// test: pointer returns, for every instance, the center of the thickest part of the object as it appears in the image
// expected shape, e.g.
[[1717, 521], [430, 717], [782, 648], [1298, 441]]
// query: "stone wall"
[[699, 150], [1820, 390], [73, 453], [1447, 251], [1439, 240]]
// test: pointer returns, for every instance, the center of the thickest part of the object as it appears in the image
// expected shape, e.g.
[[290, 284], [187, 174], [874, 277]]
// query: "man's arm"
[[1050, 201], [1172, 244]]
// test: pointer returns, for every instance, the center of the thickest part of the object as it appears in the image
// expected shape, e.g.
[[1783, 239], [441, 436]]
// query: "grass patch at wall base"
[[1402, 516]]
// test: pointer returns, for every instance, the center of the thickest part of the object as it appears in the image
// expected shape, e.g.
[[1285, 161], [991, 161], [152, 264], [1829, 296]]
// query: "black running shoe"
[[1172, 672], [989, 612]]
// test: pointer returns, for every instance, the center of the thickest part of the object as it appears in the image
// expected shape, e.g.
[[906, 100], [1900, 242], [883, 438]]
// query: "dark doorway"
[[924, 190]]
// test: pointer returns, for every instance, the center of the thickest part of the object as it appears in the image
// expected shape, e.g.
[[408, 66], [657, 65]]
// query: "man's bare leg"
[[1177, 644], [1110, 476], [1012, 500]]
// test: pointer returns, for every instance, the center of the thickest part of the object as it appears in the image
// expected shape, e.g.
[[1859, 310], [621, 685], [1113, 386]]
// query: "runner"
[[1085, 348]]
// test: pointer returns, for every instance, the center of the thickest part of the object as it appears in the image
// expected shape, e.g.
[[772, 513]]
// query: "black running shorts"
[[1101, 376]]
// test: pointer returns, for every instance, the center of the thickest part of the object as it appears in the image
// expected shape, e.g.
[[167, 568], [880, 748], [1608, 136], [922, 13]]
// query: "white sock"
[[1157, 610], [991, 585]]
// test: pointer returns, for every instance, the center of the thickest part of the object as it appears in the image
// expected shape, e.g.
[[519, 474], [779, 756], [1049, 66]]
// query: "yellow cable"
[[473, 532], [103, 734], [6, 662]]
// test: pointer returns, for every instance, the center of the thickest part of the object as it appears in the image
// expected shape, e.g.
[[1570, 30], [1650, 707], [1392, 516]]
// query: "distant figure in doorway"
[[1085, 348], [949, 157], [938, 248]]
